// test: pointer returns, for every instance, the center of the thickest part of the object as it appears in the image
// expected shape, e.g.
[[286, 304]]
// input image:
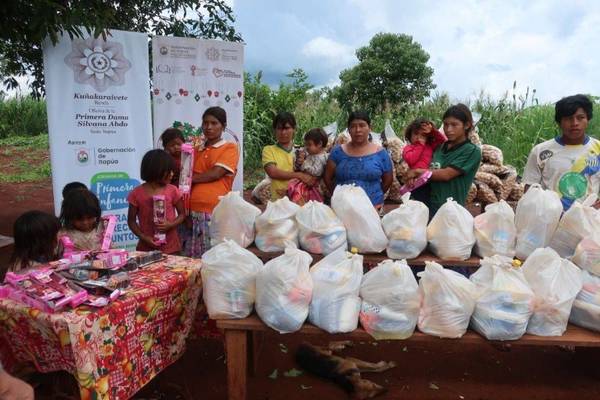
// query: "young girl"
[[424, 139], [157, 171], [36, 240], [172, 140], [313, 164], [80, 219]]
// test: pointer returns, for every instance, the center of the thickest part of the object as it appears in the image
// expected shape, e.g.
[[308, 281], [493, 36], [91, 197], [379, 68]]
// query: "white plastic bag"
[[581, 220], [447, 301], [406, 229], [495, 231], [555, 282], [390, 301], [587, 254], [320, 230], [233, 218], [586, 307], [450, 233], [363, 225], [276, 228], [505, 300], [228, 280], [335, 303], [536, 219], [284, 290]]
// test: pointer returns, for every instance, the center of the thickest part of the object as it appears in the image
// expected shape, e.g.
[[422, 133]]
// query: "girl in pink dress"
[[157, 171]]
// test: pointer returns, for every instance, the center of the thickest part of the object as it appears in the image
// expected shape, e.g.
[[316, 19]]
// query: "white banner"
[[98, 99], [190, 75]]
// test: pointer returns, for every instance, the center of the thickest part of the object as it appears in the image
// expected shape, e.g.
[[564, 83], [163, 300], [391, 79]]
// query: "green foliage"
[[24, 116], [512, 123], [24, 24], [392, 72]]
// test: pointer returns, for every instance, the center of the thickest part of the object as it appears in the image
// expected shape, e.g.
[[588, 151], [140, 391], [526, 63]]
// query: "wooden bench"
[[243, 339], [371, 260]]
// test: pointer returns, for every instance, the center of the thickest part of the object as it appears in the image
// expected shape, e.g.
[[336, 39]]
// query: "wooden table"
[[371, 260], [242, 338]]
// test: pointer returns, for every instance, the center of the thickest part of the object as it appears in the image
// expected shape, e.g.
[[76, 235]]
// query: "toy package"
[[159, 216], [109, 222], [420, 181], [186, 173]]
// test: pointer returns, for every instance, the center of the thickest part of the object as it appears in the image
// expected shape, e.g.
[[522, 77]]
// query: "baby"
[[311, 161]]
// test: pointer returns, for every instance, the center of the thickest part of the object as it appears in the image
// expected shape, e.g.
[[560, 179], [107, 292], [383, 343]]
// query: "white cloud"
[[474, 45], [328, 50]]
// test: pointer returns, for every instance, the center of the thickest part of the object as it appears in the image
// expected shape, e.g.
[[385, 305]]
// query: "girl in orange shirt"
[[215, 166]]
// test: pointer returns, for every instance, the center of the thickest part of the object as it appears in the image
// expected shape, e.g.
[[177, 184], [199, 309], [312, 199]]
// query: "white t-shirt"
[[573, 171]]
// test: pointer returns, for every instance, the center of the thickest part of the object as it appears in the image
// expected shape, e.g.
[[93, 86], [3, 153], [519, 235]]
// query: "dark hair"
[[171, 134], [156, 165], [283, 118], [317, 135], [567, 106], [414, 126], [35, 239], [77, 205], [218, 113], [462, 113], [72, 186], [362, 115]]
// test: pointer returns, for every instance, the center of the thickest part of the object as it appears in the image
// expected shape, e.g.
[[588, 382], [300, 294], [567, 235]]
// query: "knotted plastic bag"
[[555, 282], [320, 230], [450, 233], [363, 225], [447, 301], [335, 304], [505, 299], [536, 219], [390, 301], [276, 228], [586, 307], [228, 280], [283, 291], [587, 254], [495, 231], [233, 218], [580, 221], [406, 229]]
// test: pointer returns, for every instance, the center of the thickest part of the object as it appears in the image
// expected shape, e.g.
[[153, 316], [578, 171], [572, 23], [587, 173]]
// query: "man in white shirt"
[[570, 163]]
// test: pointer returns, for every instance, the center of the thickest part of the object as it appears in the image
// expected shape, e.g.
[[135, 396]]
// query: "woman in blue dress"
[[360, 162]]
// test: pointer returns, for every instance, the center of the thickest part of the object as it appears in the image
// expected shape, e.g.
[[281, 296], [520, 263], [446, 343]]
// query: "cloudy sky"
[[550, 45]]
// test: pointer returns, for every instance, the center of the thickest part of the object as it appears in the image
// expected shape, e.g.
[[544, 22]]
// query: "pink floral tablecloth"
[[115, 350]]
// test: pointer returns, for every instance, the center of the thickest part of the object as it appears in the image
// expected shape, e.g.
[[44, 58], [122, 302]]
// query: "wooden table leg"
[[237, 347], [256, 340]]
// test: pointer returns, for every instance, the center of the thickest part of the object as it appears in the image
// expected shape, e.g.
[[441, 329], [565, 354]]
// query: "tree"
[[24, 24], [392, 72]]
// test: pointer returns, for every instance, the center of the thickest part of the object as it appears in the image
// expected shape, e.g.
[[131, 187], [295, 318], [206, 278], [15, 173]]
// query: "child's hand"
[[149, 240], [164, 226], [308, 179], [426, 127]]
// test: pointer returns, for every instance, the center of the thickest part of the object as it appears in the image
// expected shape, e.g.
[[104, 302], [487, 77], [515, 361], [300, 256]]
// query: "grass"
[[26, 159]]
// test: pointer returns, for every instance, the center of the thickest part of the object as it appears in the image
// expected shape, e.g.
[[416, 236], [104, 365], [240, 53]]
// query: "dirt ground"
[[439, 370]]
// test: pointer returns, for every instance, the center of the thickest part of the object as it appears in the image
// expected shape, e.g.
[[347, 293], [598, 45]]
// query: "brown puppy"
[[345, 371]]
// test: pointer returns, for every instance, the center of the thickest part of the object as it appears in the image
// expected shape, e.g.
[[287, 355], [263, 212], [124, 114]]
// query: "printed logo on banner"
[[112, 189], [163, 50], [225, 73], [213, 54], [83, 156], [98, 63]]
